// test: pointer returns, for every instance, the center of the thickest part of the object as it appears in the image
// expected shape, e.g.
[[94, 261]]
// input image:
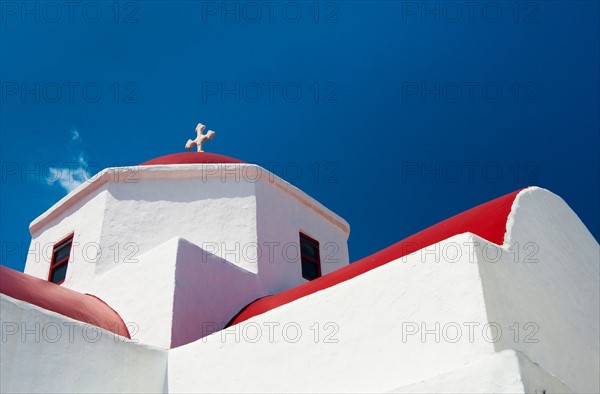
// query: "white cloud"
[[67, 177], [73, 173], [75, 135]]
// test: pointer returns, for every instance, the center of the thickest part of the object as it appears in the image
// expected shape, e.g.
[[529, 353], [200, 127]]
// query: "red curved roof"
[[486, 220], [83, 307], [192, 158]]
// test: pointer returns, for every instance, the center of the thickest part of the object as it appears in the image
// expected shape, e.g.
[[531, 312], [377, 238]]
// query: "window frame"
[[56, 264], [303, 257]]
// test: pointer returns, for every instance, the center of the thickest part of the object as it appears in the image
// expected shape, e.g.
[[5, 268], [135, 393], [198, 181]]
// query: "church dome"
[[192, 158]]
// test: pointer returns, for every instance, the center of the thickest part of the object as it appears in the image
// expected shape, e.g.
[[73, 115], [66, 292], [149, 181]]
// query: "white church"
[[197, 272]]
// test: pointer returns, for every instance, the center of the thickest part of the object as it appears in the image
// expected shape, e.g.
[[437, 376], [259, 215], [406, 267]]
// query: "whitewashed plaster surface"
[[135, 230], [397, 325], [44, 352], [548, 275], [462, 315], [507, 371]]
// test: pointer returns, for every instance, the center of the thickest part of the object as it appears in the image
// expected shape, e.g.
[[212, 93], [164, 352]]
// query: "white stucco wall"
[[507, 371], [115, 221], [84, 218], [280, 219], [199, 248], [463, 315], [406, 326], [181, 248], [351, 334], [203, 211], [209, 292], [44, 352], [142, 293], [176, 293], [125, 212], [547, 282]]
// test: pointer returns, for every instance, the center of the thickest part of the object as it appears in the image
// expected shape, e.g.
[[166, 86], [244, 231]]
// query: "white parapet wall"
[[44, 352], [507, 371], [543, 286], [373, 333], [417, 321]]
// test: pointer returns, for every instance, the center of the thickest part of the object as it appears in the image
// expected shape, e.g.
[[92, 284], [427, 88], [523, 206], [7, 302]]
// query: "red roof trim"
[[192, 158], [83, 307], [486, 220]]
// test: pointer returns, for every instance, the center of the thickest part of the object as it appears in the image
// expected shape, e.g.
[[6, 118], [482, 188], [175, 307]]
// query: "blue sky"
[[394, 114]]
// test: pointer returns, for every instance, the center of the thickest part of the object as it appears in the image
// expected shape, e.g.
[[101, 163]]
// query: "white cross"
[[200, 138]]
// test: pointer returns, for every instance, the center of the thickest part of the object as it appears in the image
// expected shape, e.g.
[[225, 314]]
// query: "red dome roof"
[[486, 220], [83, 307], [192, 158]]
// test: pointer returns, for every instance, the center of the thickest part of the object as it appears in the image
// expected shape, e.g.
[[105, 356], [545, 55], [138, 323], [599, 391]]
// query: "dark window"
[[60, 260], [309, 256]]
